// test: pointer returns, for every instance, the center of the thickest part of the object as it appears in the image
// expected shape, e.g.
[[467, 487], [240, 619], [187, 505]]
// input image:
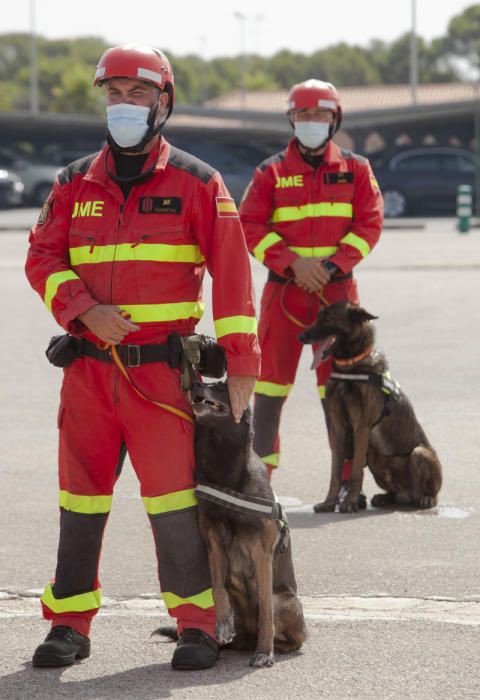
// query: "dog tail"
[[166, 631]]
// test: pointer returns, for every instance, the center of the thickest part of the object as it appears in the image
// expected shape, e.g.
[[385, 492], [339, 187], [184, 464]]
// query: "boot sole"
[[51, 661]]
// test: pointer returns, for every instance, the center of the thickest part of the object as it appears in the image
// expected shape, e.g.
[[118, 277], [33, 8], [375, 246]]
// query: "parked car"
[[424, 180], [11, 189], [37, 177], [235, 155]]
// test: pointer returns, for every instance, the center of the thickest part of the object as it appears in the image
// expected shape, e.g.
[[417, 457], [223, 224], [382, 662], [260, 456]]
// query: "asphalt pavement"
[[392, 598]]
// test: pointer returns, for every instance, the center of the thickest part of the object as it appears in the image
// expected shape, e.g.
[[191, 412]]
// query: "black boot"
[[195, 650], [61, 647]]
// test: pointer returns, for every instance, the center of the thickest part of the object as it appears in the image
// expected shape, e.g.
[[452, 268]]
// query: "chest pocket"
[[339, 193], [163, 232]]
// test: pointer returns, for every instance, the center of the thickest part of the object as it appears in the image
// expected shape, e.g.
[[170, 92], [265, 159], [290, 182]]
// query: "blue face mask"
[[127, 124], [312, 134]]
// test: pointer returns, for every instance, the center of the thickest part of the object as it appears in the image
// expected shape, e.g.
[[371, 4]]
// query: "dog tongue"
[[321, 352]]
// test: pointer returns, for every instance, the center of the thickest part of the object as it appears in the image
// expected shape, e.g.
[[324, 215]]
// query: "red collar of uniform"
[[159, 153], [294, 160]]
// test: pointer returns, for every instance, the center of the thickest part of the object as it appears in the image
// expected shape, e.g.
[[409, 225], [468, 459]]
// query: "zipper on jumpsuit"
[[119, 223]]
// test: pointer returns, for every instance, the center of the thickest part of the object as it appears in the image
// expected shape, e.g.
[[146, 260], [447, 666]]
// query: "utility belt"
[[273, 277], [200, 350]]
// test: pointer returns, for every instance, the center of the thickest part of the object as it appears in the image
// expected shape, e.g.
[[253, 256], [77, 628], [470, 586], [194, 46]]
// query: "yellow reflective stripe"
[[272, 460], [74, 603], [314, 252], [235, 324], [266, 242], [313, 210], [124, 252], [85, 504], [53, 283], [322, 391], [150, 313], [356, 242], [170, 501], [201, 600], [271, 389]]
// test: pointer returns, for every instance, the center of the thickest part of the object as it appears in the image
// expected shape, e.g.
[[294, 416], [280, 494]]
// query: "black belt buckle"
[[133, 356]]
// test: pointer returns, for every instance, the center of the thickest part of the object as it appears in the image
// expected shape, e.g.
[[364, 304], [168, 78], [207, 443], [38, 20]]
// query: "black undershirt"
[[128, 166], [314, 161]]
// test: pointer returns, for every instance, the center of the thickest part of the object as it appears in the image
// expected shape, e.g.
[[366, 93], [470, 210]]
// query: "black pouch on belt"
[[213, 362], [201, 350], [62, 350]]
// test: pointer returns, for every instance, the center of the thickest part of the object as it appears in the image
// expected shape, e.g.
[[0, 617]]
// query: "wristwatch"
[[330, 267]]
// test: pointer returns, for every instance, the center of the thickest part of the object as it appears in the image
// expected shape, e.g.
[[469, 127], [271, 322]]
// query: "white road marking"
[[316, 608]]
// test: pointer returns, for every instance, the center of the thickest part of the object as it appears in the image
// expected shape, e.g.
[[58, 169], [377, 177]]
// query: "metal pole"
[[203, 75], [34, 108], [476, 137], [243, 64], [414, 55]]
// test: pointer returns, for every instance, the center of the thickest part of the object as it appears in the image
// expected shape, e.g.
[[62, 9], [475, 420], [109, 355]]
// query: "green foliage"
[[66, 67]]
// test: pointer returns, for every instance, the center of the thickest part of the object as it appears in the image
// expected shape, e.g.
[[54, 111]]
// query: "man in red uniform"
[[310, 214], [118, 256]]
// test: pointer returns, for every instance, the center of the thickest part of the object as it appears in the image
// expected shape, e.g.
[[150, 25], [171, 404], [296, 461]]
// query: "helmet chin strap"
[[149, 134]]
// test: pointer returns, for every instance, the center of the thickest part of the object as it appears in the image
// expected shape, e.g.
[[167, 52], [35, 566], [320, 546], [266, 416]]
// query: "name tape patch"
[[338, 178], [160, 205]]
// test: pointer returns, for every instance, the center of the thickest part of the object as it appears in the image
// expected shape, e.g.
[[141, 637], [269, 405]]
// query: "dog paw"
[[427, 502], [262, 660], [383, 500], [324, 507], [348, 506], [225, 630]]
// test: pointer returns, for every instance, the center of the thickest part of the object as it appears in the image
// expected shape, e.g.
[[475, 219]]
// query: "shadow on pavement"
[[311, 520], [142, 683]]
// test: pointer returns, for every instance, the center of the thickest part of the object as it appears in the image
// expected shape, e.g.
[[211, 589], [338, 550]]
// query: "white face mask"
[[127, 123], [311, 134]]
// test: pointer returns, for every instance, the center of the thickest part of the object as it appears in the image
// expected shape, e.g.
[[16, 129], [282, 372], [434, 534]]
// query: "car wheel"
[[41, 192], [395, 203]]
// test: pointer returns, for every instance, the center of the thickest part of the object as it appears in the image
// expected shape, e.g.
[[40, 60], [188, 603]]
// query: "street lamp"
[[414, 55], [33, 62], [242, 18]]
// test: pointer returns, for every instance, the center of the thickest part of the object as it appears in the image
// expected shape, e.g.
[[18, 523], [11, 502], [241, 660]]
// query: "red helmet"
[[313, 93], [138, 62]]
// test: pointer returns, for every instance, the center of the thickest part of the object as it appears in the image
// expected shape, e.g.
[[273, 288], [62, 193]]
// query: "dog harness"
[[384, 382], [248, 505]]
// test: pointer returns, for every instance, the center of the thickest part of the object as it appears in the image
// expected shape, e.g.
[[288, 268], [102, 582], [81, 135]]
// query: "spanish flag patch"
[[374, 183], [226, 207]]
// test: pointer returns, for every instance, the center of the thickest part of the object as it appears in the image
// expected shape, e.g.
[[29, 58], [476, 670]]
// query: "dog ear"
[[359, 315]]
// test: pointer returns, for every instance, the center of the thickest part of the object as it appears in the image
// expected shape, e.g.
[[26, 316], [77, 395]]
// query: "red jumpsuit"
[[148, 255], [291, 209]]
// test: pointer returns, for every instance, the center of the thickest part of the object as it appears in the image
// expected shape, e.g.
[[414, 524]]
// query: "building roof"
[[354, 99]]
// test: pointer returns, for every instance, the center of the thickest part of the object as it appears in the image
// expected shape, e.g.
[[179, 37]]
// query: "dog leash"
[[166, 407], [287, 313]]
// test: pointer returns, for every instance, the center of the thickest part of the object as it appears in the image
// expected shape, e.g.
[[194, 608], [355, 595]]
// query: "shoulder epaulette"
[[78, 167], [192, 164], [348, 154], [277, 158]]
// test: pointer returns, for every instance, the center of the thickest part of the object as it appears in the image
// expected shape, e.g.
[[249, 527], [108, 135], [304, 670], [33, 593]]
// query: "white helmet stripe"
[[99, 72], [328, 104], [149, 74]]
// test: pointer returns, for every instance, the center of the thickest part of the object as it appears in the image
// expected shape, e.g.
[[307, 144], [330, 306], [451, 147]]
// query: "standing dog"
[[362, 398], [249, 551]]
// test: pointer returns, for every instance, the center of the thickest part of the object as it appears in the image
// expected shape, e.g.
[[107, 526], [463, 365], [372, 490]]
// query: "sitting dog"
[[361, 397], [249, 551]]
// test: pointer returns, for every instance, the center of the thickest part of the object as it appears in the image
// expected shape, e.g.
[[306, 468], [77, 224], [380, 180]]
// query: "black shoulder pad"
[[78, 167], [194, 166], [277, 158], [348, 155]]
